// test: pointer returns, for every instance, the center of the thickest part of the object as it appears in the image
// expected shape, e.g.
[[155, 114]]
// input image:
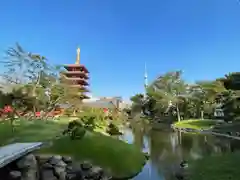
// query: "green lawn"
[[220, 167], [234, 127], [116, 156], [195, 124]]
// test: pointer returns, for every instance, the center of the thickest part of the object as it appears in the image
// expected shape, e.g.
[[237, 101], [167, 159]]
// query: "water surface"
[[167, 149]]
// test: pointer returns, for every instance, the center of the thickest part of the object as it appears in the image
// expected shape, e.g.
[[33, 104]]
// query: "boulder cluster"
[[47, 167]]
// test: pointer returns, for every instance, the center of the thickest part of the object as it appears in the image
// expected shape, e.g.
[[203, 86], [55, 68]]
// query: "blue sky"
[[201, 37]]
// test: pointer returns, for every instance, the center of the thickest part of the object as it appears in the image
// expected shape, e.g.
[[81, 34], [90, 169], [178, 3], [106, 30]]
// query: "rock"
[[61, 164], [74, 171], [29, 166], [67, 159], [71, 177], [62, 175], [55, 159], [86, 165], [30, 174], [48, 175], [43, 158], [73, 167], [95, 173], [27, 161], [47, 166], [15, 175], [74, 175], [60, 169], [106, 178]]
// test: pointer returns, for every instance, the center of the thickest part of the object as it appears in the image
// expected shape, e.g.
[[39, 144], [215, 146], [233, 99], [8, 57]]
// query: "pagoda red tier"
[[77, 75], [76, 67]]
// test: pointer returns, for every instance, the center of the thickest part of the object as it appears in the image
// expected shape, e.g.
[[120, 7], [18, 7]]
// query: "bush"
[[75, 130], [89, 122], [113, 130]]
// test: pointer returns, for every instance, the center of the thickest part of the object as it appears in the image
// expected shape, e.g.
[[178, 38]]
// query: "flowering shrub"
[[38, 114], [7, 109]]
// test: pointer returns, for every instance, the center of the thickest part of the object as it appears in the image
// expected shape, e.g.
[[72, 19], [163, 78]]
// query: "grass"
[[197, 124], [120, 158], [220, 167], [234, 127]]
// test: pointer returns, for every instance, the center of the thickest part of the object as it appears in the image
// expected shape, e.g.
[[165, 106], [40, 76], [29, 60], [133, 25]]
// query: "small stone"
[[43, 158], [106, 178], [71, 177], [95, 173], [86, 165], [60, 169], [15, 175], [30, 174], [55, 159], [97, 170], [62, 175], [74, 171], [69, 168], [48, 175], [60, 164], [47, 166], [67, 159], [73, 168]]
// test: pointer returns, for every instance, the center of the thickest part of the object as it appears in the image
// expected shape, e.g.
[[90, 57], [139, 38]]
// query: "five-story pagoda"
[[77, 76]]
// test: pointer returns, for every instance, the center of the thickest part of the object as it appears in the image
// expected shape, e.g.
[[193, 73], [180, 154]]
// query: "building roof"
[[100, 104]]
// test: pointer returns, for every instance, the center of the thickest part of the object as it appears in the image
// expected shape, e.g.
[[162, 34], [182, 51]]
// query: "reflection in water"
[[167, 149]]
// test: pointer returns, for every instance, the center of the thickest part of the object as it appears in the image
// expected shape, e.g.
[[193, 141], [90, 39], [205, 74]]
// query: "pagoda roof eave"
[[69, 74], [83, 80], [66, 66]]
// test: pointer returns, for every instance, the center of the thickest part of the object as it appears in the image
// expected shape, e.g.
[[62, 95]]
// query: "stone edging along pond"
[[52, 167], [55, 167]]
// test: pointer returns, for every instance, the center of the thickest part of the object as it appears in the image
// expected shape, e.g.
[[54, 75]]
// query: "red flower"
[[38, 114], [8, 109]]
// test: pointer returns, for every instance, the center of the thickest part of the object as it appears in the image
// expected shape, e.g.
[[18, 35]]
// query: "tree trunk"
[[74, 112], [34, 108], [178, 114], [34, 93], [202, 113]]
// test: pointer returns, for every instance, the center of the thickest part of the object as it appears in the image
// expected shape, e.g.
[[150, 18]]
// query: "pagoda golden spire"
[[78, 56]]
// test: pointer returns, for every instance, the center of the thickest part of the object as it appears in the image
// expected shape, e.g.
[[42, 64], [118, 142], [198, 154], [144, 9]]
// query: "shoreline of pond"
[[191, 130]]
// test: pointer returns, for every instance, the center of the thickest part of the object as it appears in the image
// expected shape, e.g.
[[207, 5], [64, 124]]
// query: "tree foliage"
[[36, 84], [169, 95]]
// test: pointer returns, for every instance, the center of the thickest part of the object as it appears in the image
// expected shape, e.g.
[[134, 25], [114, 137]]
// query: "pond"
[[167, 149]]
